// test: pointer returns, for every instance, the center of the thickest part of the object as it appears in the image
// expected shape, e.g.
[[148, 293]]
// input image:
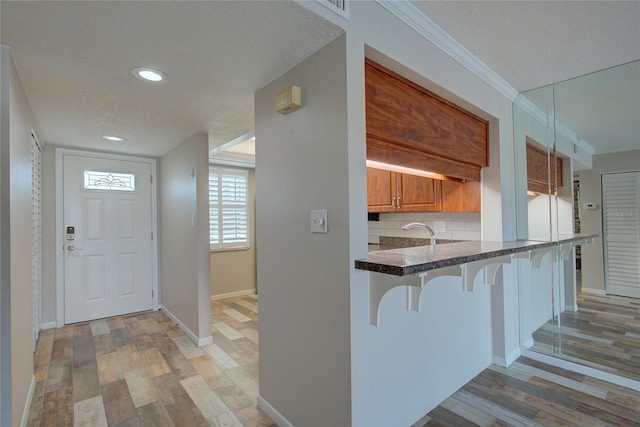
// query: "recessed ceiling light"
[[149, 74], [113, 138]]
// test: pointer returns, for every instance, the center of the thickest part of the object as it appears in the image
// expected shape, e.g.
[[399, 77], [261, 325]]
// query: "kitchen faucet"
[[412, 225]]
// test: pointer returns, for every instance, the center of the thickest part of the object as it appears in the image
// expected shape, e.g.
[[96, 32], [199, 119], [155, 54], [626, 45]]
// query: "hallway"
[[142, 369]]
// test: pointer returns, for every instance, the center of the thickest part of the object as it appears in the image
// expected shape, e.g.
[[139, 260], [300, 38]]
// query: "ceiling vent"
[[340, 7]]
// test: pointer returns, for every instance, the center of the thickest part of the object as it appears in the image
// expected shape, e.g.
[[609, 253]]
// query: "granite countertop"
[[413, 260], [391, 242]]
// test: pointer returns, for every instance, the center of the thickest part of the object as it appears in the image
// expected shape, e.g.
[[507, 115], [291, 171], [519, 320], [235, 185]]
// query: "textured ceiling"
[[75, 58], [535, 43], [531, 44]]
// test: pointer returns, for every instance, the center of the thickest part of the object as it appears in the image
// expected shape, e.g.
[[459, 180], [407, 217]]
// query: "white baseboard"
[[600, 292], [571, 307], [528, 343], [200, 342], [233, 294], [272, 413], [49, 325], [507, 361], [27, 404], [205, 341], [513, 356], [582, 369]]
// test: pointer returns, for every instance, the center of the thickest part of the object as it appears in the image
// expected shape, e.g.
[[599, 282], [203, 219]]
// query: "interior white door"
[[107, 237], [621, 226]]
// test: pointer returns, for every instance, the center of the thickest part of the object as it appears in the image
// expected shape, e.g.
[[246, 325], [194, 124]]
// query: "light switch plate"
[[319, 221]]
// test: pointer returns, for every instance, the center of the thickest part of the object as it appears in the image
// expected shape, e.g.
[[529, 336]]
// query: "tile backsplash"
[[458, 226]]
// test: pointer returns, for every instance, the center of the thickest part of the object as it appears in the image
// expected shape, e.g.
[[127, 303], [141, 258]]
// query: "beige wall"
[[5, 230], [303, 278], [184, 236], [591, 220], [21, 126], [234, 272]]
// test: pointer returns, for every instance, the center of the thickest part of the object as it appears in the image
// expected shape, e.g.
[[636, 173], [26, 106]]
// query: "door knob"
[[72, 248]]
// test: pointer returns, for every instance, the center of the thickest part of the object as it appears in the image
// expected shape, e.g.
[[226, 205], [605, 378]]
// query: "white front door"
[[107, 237]]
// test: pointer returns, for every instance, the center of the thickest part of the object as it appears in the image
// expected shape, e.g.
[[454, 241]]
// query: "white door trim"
[[60, 153]]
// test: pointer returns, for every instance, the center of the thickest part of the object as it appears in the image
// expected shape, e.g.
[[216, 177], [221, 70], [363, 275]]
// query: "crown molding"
[[534, 111], [234, 159], [581, 143], [588, 148], [425, 26], [430, 30]]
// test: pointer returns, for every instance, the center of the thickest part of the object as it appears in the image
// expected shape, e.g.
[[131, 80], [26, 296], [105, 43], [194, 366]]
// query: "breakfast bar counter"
[[414, 267], [418, 259]]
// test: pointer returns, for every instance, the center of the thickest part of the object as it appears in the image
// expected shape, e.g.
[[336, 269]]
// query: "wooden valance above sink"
[[409, 126]]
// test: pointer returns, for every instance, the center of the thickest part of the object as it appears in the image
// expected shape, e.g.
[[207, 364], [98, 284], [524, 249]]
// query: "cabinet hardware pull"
[[399, 204]]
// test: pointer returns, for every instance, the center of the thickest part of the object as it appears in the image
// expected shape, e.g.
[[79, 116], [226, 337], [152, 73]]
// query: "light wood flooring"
[[142, 370], [604, 333], [531, 393]]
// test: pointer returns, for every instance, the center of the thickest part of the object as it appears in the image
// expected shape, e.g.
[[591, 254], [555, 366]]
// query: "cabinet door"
[[538, 171], [381, 190], [418, 194], [400, 111], [459, 197]]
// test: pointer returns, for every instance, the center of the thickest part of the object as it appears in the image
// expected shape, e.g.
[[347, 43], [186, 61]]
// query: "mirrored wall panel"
[[580, 141]]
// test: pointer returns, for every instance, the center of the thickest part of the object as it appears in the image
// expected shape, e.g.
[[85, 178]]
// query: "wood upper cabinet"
[[538, 173], [409, 126], [381, 190], [397, 192], [415, 126], [461, 197], [418, 194]]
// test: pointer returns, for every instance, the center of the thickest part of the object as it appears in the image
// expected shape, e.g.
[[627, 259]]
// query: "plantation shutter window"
[[36, 237], [621, 227], [228, 213]]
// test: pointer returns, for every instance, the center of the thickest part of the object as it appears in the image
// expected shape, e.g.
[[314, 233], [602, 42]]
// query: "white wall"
[[415, 360], [303, 278], [412, 361], [591, 220], [184, 236], [21, 124], [550, 216]]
